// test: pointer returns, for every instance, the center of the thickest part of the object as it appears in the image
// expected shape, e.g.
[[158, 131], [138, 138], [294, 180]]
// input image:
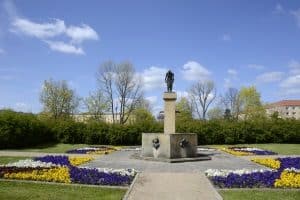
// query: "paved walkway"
[[220, 160], [172, 186], [36, 154]]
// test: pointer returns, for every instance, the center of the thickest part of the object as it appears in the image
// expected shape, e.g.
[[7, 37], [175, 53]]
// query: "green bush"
[[22, 130]]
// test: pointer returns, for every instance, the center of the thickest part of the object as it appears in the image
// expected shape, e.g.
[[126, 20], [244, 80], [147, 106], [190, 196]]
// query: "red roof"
[[286, 103]]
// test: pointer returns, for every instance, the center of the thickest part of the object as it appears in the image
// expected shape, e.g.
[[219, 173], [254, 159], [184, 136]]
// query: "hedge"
[[25, 130]]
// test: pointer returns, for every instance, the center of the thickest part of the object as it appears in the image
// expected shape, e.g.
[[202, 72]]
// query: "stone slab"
[[169, 145], [172, 160], [172, 186]]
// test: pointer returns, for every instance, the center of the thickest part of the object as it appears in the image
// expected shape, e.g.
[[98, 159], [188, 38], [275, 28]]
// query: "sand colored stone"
[[169, 112]]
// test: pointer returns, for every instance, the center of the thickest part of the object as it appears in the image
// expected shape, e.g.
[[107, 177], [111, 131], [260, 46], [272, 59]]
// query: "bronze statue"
[[169, 79]]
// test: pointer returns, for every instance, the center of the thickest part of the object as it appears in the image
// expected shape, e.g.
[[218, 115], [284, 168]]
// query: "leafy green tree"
[[96, 104], [58, 99], [251, 105], [184, 110]]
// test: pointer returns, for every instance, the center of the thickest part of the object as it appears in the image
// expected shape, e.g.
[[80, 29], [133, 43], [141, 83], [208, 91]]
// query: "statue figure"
[[169, 79]]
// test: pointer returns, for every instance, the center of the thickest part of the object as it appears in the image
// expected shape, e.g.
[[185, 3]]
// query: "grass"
[[53, 148], [40, 191], [260, 194], [8, 159], [284, 149]]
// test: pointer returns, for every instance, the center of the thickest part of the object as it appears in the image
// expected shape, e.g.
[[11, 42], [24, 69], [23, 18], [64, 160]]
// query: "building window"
[[287, 113], [293, 107], [286, 107], [294, 113]]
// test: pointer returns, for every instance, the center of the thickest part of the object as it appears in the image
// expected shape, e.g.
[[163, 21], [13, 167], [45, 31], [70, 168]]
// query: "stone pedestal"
[[169, 113], [170, 146], [180, 145]]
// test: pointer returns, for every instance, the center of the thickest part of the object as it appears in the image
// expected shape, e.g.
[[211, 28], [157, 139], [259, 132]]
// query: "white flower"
[[225, 172], [292, 170], [122, 172], [31, 163]]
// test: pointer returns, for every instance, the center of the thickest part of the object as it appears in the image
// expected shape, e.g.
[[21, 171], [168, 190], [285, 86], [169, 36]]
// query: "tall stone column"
[[169, 113]]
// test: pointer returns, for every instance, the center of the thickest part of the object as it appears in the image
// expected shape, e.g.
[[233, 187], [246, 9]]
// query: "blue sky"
[[234, 43]]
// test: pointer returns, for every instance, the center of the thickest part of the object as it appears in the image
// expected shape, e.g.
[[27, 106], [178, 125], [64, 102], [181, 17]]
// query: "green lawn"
[[8, 159], [285, 149], [260, 194], [54, 148], [40, 191]]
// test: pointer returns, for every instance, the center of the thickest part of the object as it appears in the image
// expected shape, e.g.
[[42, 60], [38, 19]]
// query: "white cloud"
[[270, 77], [153, 77], [232, 72], [181, 94], [64, 47], [2, 51], [296, 15], [193, 71], [78, 34], [255, 66], [56, 34], [152, 99], [22, 107], [226, 37], [41, 31], [291, 85], [294, 67], [278, 9]]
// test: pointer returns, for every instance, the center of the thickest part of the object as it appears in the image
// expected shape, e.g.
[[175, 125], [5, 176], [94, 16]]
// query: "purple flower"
[[93, 176], [59, 160]]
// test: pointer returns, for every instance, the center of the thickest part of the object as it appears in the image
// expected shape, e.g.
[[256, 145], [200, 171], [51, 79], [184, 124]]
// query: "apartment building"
[[285, 109]]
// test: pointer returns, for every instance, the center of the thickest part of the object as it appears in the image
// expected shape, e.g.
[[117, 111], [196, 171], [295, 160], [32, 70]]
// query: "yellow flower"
[[268, 162], [288, 180], [236, 153], [75, 161], [60, 174]]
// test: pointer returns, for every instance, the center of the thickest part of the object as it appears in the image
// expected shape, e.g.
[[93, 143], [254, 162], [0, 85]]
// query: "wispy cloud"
[[232, 72], [291, 85], [294, 67], [226, 37], [153, 77], [278, 9], [64, 47], [194, 71], [269, 77], [255, 66], [2, 51], [22, 107], [59, 36], [296, 15]]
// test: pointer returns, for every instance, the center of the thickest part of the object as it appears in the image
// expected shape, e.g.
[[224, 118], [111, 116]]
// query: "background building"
[[285, 109]]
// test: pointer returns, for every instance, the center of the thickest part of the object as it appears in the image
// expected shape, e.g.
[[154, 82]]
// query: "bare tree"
[[58, 99], [231, 100], [96, 104], [105, 78], [202, 95], [122, 87]]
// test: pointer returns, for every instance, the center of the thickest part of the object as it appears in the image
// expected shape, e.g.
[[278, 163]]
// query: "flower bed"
[[286, 175], [247, 151], [93, 150], [65, 170]]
